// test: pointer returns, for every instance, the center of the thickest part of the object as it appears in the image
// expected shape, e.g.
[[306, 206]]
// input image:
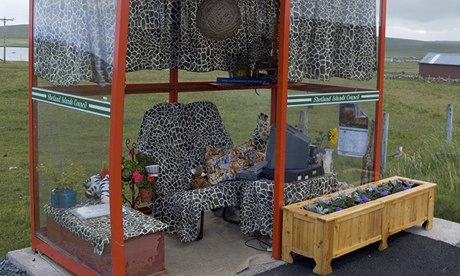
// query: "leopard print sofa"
[[256, 214], [177, 136]]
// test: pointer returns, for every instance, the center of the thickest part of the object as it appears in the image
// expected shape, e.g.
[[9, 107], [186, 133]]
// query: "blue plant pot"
[[63, 198]]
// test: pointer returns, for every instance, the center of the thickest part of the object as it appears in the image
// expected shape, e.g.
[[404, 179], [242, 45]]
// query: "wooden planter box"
[[324, 237]]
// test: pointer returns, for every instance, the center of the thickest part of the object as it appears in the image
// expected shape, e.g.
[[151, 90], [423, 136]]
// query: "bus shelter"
[[323, 60]]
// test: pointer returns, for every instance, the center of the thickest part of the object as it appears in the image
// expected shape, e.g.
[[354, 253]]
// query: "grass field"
[[417, 118]]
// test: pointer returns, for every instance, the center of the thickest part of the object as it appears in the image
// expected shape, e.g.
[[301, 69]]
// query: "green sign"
[[88, 105], [332, 98]]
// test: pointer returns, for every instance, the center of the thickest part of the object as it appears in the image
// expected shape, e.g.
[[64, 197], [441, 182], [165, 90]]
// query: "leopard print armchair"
[[177, 136]]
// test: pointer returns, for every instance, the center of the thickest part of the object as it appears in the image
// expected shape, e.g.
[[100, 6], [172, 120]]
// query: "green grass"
[[15, 42], [16, 35], [14, 198], [417, 117]]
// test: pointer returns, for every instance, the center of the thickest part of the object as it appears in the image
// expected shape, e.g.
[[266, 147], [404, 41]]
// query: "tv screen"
[[297, 149]]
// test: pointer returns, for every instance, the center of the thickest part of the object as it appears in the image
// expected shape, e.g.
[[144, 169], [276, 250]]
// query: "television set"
[[297, 165]]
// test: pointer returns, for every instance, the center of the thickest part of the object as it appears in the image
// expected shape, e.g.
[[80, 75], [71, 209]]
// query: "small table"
[[86, 240]]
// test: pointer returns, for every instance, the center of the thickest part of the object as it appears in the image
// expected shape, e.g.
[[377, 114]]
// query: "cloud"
[[424, 20], [423, 11]]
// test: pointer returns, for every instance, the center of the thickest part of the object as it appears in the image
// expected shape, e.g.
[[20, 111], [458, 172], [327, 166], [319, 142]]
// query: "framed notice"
[[352, 141], [353, 131]]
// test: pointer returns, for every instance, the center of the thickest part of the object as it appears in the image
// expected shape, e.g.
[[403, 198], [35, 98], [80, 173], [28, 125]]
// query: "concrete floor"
[[222, 251]]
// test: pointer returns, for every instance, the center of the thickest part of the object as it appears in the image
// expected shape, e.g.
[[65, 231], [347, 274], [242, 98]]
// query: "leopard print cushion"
[[74, 40], [256, 214], [223, 165], [97, 230]]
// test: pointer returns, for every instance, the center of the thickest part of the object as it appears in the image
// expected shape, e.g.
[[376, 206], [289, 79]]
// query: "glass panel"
[[343, 130], [74, 40], [185, 76], [72, 151], [238, 109]]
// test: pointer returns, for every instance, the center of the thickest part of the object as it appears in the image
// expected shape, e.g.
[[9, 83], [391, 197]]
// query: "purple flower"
[[338, 209], [323, 201], [404, 188], [364, 199], [384, 193]]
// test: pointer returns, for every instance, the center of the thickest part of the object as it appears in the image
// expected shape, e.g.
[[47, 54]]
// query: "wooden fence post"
[[303, 121], [450, 115], [384, 146]]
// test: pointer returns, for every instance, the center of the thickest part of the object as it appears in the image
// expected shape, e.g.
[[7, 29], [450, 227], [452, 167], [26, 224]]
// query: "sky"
[[426, 20]]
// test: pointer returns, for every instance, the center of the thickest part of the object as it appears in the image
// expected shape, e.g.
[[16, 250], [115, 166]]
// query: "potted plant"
[[135, 175], [62, 196]]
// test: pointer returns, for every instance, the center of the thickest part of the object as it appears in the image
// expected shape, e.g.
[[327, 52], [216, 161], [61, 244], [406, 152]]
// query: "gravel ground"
[[8, 269]]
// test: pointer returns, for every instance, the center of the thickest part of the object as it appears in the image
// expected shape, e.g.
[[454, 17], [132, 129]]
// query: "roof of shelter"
[[441, 59]]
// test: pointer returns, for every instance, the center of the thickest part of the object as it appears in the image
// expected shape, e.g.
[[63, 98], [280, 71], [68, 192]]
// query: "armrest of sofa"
[[256, 212]]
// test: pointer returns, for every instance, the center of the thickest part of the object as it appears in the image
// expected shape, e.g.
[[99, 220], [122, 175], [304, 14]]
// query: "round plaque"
[[218, 19]]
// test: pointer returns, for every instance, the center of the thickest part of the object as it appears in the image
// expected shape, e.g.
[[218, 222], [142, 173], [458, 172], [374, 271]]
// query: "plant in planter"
[[134, 175], [62, 196], [361, 195], [333, 225]]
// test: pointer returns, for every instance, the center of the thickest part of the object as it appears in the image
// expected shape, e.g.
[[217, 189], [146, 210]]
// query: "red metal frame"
[[62, 259], [116, 136], [173, 81], [118, 90], [280, 145], [380, 88], [32, 128]]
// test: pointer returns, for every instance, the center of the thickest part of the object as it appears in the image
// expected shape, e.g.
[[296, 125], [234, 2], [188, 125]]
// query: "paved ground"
[[221, 252]]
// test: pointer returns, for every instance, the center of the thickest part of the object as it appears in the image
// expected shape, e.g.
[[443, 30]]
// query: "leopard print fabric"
[[261, 132], [177, 135], [74, 40], [332, 38], [97, 230], [256, 214]]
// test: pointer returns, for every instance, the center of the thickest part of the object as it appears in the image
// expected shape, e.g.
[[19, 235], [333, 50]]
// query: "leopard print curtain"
[[332, 38], [74, 40]]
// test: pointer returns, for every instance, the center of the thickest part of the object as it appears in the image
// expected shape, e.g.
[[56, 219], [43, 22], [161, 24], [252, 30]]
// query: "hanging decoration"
[[218, 19]]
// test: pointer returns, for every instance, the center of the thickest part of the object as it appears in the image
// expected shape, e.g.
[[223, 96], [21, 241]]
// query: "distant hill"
[[15, 31], [395, 47]]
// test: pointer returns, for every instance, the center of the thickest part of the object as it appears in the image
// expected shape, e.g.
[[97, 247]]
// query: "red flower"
[[137, 177], [150, 178], [104, 172]]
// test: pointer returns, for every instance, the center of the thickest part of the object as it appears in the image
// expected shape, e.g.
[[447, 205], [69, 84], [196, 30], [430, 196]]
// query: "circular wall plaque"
[[218, 19]]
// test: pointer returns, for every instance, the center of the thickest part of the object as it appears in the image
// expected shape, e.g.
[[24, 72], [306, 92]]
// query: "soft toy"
[[199, 178], [223, 164], [97, 187]]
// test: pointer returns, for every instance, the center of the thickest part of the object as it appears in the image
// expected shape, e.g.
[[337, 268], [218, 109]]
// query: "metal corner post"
[[116, 136], [380, 88], [32, 127], [280, 146]]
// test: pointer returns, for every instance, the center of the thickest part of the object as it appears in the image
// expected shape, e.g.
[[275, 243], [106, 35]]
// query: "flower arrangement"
[[343, 201], [134, 174], [332, 137]]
